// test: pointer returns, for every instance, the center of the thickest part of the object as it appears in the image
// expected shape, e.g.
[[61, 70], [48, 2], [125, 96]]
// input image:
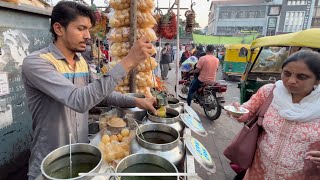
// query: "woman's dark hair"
[[66, 11], [310, 58]]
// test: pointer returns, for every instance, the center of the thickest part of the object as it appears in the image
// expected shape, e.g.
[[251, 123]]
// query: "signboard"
[[272, 26], [4, 84], [308, 13], [272, 22], [274, 11]]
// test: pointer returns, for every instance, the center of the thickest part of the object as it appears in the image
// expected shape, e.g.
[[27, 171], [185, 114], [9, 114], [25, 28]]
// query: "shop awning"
[[202, 39], [306, 38]]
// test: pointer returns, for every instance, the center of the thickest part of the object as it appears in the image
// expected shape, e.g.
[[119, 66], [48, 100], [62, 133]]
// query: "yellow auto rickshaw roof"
[[237, 46], [305, 38]]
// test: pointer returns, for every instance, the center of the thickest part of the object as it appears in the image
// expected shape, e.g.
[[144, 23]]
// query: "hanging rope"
[[157, 16], [190, 19]]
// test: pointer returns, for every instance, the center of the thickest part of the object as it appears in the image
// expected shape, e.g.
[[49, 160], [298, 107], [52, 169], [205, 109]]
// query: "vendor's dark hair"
[[210, 48], [66, 11], [202, 54], [310, 58]]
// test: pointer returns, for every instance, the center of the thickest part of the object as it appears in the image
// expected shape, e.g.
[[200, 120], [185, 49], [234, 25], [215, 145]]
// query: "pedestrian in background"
[[165, 61], [158, 58], [185, 55]]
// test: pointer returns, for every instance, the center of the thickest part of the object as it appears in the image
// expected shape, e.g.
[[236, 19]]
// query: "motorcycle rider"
[[207, 67]]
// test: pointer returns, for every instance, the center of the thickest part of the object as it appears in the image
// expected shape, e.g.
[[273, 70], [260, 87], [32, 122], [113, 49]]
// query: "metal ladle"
[[136, 124]]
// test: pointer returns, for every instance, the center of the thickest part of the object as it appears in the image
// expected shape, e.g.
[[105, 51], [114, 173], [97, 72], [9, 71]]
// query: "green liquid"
[[64, 173], [157, 137], [172, 102], [81, 163], [146, 168]]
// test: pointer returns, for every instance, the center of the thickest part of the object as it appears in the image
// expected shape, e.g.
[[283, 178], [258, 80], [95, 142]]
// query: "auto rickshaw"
[[235, 60], [274, 50]]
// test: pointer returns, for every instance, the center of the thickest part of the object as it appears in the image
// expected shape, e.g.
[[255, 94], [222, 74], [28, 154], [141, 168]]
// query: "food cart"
[[121, 130], [182, 149]]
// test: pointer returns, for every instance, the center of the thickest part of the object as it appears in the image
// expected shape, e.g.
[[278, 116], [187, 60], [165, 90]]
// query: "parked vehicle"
[[235, 60], [208, 96], [273, 50]]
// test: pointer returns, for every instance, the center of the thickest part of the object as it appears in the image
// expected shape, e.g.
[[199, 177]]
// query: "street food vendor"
[[59, 88]]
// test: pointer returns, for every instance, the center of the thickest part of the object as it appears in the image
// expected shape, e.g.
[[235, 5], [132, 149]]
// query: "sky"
[[201, 8]]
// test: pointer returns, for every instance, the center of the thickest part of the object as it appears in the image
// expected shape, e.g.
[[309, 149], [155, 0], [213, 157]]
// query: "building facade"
[[268, 17], [296, 15], [235, 17], [316, 15]]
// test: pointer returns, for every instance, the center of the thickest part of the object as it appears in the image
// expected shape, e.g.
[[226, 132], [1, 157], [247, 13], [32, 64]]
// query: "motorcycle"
[[208, 96]]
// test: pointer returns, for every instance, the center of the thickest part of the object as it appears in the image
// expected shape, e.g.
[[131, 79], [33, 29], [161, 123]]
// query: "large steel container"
[[159, 139]]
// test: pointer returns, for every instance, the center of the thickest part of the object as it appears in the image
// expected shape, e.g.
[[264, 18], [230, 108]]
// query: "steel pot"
[[134, 112], [159, 139], [174, 121], [175, 104], [81, 154], [127, 164]]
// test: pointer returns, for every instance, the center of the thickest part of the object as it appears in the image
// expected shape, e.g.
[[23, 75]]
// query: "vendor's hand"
[[139, 52], [314, 156], [147, 103]]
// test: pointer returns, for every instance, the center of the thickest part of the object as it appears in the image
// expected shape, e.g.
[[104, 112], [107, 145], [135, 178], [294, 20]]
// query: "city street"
[[220, 132]]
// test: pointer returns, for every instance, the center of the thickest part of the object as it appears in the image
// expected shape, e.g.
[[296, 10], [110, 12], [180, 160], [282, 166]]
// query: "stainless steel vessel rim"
[[146, 154], [54, 151], [170, 109], [173, 142], [172, 99]]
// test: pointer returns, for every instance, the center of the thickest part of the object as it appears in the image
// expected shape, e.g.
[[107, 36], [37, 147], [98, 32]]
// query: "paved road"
[[220, 132]]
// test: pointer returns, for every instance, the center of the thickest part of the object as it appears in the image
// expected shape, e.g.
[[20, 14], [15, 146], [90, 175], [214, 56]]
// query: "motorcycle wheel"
[[211, 107], [182, 91]]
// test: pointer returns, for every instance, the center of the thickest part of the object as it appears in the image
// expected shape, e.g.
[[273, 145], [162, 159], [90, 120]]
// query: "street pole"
[[159, 59], [133, 37], [178, 49]]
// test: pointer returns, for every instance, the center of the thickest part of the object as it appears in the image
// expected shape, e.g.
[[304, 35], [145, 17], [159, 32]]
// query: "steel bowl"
[[175, 104], [134, 112]]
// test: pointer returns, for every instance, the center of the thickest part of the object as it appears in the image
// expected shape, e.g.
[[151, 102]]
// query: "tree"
[[196, 25], [197, 31]]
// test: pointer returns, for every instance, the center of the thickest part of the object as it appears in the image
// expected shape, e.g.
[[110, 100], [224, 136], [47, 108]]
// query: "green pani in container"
[[146, 163]]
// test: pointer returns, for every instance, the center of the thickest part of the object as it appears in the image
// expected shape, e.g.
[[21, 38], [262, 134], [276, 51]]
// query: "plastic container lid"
[[193, 124], [200, 153], [191, 112]]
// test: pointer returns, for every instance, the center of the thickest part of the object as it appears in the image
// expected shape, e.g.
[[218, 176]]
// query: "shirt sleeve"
[[255, 102], [217, 60], [42, 75], [121, 100], [200, 63]]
